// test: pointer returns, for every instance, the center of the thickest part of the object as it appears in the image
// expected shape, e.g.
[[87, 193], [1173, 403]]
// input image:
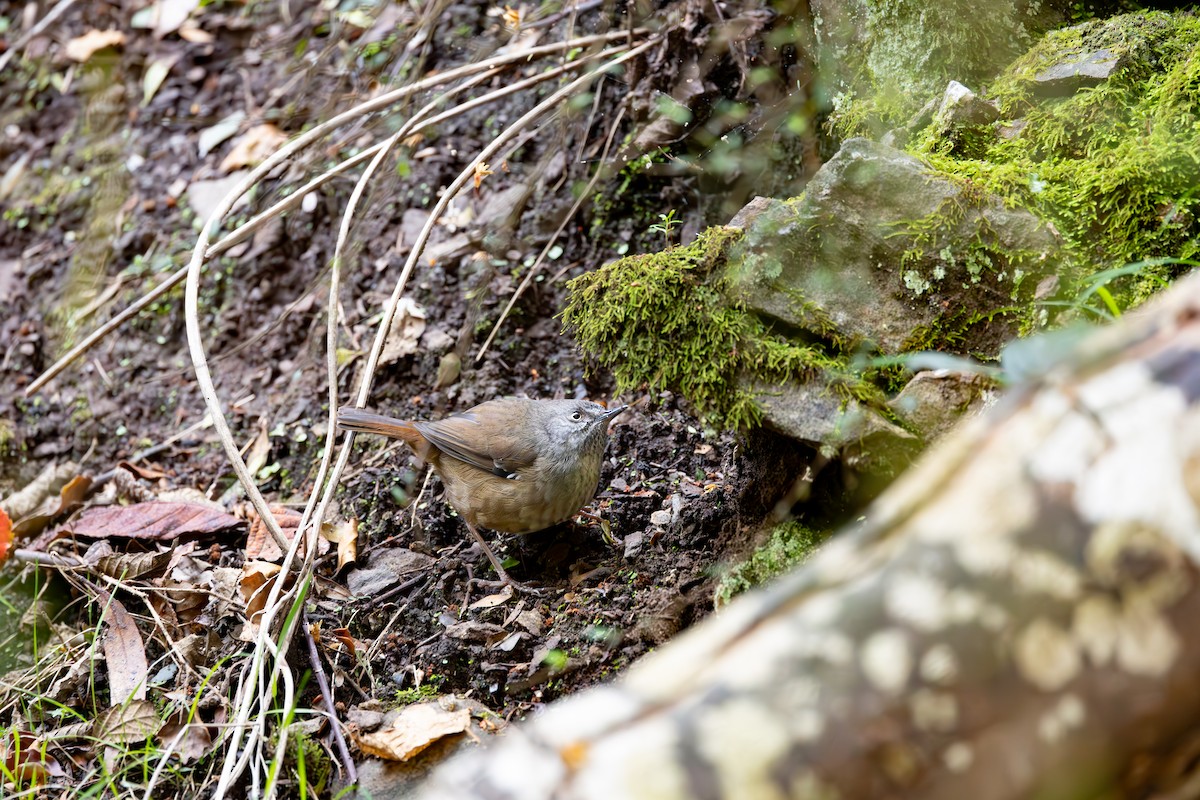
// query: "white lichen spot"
[[933, 711], [958, 757], [838, 561], [1067, 715], [1148, 644], [988, 557], [886, 660], [635, 763], [916, 600], [743, 741], [993, 618], [807, 725], [1160, 577], [1070, 446], [1039, 572], [1046, 655], [820, 609], [1096, 627], [939, 665], [963, 606], [915, 283]]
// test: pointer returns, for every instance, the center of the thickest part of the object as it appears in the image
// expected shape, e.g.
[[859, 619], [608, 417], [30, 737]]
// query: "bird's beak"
[[612, 412]]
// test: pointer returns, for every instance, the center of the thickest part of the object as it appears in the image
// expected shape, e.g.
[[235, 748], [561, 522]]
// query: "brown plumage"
[[512, 465]]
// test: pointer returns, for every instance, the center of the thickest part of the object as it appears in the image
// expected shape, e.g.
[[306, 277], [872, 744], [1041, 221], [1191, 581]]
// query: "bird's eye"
[[577, 416]]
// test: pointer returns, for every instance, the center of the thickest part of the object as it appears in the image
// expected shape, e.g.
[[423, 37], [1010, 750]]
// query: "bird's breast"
[[537, 498]]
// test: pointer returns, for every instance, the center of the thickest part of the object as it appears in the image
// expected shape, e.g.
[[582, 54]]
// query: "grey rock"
[[961, 107], [813, 413], [935, 400], [880, 248], [1067, 77]]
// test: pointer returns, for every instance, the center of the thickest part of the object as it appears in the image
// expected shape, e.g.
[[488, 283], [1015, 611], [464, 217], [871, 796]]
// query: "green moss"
[[1116, 167], [788, 545], [912, 48], [664, 319]]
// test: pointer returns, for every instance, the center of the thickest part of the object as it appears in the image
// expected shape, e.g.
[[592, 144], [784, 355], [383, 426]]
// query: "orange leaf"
[[6, 534]]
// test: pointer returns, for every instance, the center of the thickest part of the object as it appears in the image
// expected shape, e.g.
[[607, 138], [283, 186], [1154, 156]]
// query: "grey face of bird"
[[581, 426]]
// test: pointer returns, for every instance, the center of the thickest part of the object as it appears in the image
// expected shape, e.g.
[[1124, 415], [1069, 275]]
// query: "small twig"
[[335, 724]]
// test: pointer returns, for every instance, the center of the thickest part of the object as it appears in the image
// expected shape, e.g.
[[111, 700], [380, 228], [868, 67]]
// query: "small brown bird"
[[512, 465]]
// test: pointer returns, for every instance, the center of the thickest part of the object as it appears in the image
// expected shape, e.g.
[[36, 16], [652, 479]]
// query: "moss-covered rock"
[[788, 545], [665, 319], [883, 59], [1099, 135], [883, 252]]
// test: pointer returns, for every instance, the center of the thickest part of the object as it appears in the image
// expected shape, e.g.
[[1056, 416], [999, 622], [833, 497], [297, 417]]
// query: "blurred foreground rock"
[[1010, 620]]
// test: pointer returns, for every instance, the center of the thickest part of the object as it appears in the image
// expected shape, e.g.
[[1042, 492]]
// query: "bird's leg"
[[500, 571]]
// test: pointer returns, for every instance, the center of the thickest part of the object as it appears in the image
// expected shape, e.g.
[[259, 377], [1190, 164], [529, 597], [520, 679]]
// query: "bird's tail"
[[355, 419]]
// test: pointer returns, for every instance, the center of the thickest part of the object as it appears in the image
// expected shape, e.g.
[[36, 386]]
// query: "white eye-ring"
[[577, 416]]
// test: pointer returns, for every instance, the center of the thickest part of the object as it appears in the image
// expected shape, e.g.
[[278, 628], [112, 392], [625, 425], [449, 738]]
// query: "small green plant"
[[667, 223]]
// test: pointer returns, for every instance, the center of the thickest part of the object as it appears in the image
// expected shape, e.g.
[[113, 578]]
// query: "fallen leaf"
[[156, 72], [405, 332], [345, 535], [153, 520], [47, 482], [124, 654], [253, 147], [255, 586], [135, 721], [6, 534], [81, 48], [214, 135], [171, 14], [127, 566], [26, 759], [143, 472], [195, 35], [493, 600], [70, 497], [205, 196], [188, 740], [416, 727], [260, 544]]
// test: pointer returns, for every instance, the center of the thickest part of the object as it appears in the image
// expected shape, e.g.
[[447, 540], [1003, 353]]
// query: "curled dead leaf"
[[345, 535], [414, 729], [81, 48], [253, 147]]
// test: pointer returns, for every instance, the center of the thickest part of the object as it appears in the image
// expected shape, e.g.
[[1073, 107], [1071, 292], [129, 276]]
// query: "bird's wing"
[[484, 440]]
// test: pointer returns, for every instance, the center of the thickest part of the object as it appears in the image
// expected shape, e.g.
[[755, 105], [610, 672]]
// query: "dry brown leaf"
[[127, 566], [196, 36], [26, 759], [124, 654], [188, 740], [143, 472], [253, 147], [153, 520], [81, 48], [405, 332], [70, 497], [255, 585], [135, 721], [493, 600], [47, 482], [345, 535], [6, 534], [260, 544], [417, 727]]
